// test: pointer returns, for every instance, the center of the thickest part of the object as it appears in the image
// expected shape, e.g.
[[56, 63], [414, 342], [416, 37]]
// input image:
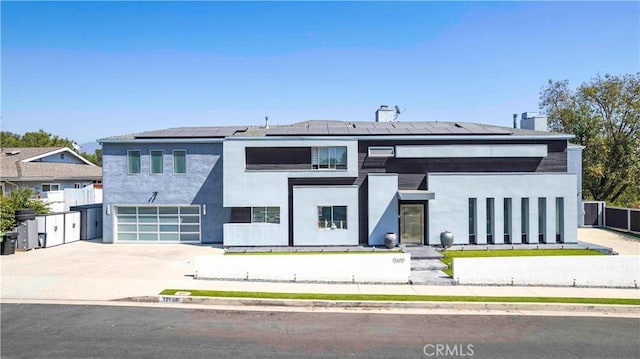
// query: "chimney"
[[384, 114], [533, 121]]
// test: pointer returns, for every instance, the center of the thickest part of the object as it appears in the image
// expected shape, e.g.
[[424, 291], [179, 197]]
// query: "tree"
[[604, 115], [9, 139], [95, 157], [44, 139], [34, 139]]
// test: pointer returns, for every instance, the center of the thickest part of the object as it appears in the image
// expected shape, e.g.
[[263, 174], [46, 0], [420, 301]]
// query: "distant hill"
[[89, 147]]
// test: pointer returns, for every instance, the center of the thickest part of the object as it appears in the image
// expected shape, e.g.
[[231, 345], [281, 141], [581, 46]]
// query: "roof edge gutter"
[[163, 140], [410, 137]]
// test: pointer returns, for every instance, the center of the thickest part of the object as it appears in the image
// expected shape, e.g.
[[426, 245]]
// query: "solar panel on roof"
[[193, 132]]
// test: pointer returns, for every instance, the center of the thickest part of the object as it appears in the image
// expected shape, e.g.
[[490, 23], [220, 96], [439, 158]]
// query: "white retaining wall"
[[359, 268], [595, 271]]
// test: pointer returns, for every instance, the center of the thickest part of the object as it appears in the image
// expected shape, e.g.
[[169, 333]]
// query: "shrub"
[[20, 198]]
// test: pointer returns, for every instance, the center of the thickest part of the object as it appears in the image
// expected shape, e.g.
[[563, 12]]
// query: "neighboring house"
[[342, 183], [45, 169]]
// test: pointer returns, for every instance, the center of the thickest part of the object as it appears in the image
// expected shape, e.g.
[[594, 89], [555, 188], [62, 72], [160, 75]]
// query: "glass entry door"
[[412, 223]]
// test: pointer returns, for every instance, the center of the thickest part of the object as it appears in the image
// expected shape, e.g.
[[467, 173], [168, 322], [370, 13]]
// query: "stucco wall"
[[601, 271], [202, 184], [358, 268], [256, 234], [383, 206], [305, 221], [247, 188], [449, 211]]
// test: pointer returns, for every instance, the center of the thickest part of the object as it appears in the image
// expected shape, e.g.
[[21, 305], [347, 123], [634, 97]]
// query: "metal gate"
[[593, 212]]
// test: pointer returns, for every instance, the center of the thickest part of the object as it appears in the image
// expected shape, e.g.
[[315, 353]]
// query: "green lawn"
[[398, 298], [449, 255], [307, 253]]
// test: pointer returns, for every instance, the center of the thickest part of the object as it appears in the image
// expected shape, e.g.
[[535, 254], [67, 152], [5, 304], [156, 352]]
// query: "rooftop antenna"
[[398, 112]]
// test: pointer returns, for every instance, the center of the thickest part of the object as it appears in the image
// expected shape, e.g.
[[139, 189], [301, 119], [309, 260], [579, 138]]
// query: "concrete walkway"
[[88, 270], [621, 243]]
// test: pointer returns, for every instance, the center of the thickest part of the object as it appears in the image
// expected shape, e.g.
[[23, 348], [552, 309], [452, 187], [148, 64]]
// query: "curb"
[[372, 305]]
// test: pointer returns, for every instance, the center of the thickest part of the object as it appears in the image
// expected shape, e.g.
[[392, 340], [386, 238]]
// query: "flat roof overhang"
[[416, 195]]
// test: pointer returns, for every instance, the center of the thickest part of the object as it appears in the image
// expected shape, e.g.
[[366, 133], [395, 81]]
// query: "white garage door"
[[158, 224]]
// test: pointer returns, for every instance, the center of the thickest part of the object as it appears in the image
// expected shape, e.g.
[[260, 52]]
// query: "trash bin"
[[9, 243], [42, 240]]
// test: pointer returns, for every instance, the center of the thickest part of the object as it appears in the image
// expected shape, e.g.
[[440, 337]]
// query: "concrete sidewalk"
[[88, 270]]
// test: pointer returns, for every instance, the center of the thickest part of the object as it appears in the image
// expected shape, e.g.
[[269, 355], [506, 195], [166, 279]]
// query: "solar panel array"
[[385, 128], [193, 132]]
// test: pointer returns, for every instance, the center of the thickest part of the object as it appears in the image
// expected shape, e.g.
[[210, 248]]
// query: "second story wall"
[[412, 172], [195, 178], [248, 182]]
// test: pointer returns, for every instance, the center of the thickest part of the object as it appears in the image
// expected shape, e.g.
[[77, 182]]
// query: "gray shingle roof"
[[13, 169]]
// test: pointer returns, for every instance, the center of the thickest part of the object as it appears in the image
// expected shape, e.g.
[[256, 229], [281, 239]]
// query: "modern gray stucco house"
[[342, 183]]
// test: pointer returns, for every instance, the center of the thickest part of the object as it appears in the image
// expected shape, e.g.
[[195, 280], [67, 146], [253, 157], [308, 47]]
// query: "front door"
[[412, 223]]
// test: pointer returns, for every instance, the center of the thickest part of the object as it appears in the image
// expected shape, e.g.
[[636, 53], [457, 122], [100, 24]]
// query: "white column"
[[498, 237], [481, 235], [516, 220]]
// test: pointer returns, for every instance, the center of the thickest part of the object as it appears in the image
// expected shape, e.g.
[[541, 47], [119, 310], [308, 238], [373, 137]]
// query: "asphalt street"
[[84, 331]]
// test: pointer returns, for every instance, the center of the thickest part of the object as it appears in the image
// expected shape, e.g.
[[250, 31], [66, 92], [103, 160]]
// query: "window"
[[78, 185], [179, 161], [542, 219], [156, 161], [47, 187], [255, 215], [490, 219], [277, 158], [507, 220], [472, 220], [133, 161], [381, 151], [62, 156], [559, 220], [332, 217], [524, 219], [265, 214], [329, 157]]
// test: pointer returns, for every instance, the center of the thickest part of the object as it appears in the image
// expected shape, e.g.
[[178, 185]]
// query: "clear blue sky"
[[88, 70]]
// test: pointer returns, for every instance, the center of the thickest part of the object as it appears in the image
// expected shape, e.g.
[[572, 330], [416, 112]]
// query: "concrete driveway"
[[624, 244], [94, 271]]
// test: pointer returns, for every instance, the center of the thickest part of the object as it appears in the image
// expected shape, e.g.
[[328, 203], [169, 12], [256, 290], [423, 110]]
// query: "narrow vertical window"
[[490, 220], [507, 220], [542, 219], [559, 220], [524, 219], [472, 220], [179, 161], [133, 161], [156, 161]]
